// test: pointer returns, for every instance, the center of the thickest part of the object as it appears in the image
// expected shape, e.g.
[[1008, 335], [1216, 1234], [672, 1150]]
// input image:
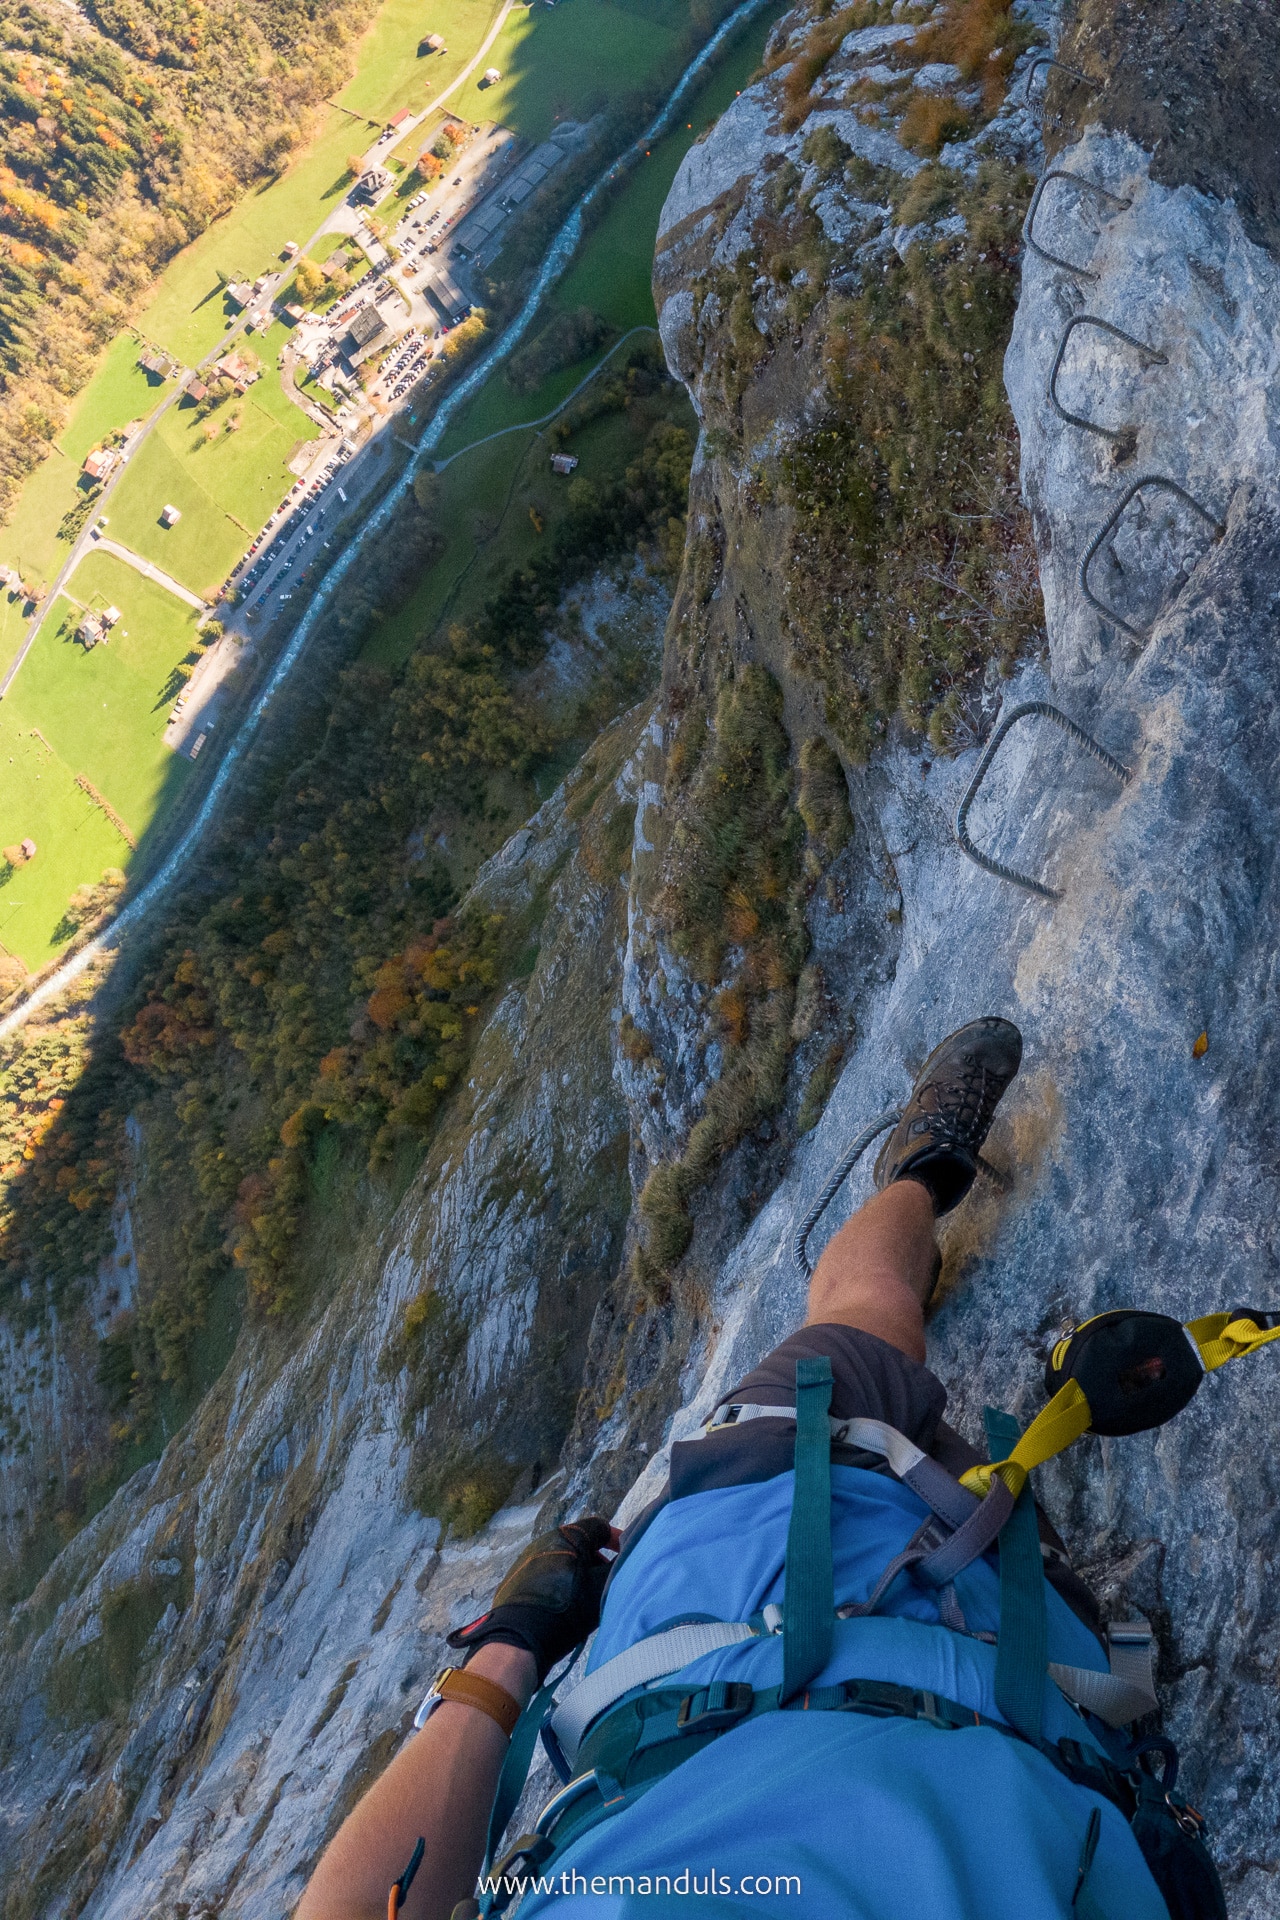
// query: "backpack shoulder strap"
[[1022, 1645], [809, 1596]]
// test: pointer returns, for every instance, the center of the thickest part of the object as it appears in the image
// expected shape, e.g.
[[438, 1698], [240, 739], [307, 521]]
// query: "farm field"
[[101, 714], [13, 626], [568, 62], [224, 487], [119, 393], [187, 314]]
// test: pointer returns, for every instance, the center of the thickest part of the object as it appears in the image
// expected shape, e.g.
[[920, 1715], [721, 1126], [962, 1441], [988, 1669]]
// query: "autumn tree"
[[308, 281]]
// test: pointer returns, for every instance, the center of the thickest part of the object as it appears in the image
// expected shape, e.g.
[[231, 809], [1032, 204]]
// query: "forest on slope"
[[263, 1077], [303, 1014]]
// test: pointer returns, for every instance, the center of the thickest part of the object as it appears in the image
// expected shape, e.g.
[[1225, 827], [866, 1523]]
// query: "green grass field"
[[613, 271], [187, 313], [103, 715], [568, 62], [221, 486], [484, 515], [13, 626], [119, 393]]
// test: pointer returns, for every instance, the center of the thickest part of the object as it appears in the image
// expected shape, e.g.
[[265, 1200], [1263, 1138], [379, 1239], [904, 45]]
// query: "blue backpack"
[[665, 1704]]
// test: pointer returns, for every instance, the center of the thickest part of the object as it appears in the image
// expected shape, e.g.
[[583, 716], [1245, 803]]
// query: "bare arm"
[[440, 1785]]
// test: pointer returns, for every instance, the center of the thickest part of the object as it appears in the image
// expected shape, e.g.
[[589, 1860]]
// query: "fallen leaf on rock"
[[1201, 1047]]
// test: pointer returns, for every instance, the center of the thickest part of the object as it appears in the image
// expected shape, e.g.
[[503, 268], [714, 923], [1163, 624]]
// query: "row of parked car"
[[273, 545]]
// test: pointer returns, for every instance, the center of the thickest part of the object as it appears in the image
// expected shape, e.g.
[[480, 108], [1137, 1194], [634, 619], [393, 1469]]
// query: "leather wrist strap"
[[473, 1690]]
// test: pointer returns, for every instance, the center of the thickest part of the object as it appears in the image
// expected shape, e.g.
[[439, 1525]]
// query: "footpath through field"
[[526, 426], [150, 571]]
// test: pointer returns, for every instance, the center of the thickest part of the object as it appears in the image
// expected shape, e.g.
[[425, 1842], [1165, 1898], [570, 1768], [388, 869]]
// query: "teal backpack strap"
[[1022, 1648], [809, 1599], [515, 1768]]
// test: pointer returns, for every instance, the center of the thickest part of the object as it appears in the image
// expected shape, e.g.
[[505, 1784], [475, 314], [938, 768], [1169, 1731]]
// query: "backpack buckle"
[[712, 1708], [1190, 1821]]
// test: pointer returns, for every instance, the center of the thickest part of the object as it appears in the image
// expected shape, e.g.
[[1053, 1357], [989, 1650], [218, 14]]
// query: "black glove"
[[550, 1600]]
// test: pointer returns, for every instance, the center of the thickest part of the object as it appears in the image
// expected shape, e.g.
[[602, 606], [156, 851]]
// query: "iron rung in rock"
[[1109, 526], [1068, 726]]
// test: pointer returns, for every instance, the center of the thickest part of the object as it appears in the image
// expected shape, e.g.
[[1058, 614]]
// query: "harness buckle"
[[523, 1857], [712, 1708], [880, 1699]]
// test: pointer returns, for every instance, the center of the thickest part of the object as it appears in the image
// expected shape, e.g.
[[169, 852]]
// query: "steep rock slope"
[[209, 1673], [1140, 1164]]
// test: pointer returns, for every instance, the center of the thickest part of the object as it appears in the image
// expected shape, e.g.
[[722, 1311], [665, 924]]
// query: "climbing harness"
[[1125, 437], [1112, 522], [1088, 186], [617, 1733], [1076, 733]]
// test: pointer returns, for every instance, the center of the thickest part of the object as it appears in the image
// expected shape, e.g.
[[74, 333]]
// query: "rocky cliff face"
[[757, 921], [222, 1658]]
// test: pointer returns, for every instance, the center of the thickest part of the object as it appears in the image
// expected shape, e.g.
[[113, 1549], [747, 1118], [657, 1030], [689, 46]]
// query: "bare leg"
[[878, 1271]]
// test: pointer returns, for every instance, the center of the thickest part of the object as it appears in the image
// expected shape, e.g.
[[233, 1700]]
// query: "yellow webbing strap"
[[1219, 1338], [1065, 1418]]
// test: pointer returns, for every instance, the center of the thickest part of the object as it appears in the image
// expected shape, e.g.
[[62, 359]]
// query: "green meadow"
[[101, 714], [568, 62], [225, 479], [119, 393]]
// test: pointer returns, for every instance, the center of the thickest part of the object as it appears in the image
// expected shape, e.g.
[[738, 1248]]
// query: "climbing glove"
[[550, 1600]]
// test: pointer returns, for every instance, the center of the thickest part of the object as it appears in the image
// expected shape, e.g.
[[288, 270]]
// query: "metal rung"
[[1046, 61], [879, 1125], [1068, 726], [1028, 231], [1151, 355], [1109, 527]]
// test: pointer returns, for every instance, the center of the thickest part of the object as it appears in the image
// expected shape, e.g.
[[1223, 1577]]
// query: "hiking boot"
[[949, 1114]]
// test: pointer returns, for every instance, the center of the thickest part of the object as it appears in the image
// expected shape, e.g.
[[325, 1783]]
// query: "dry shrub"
[[983, 39], [820, 44], [931, 120], [824, 797]]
